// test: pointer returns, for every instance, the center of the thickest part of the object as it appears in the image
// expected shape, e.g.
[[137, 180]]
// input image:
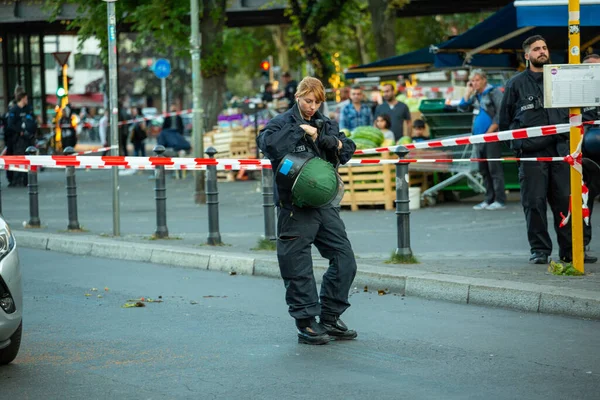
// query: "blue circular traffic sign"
[[162, 68]]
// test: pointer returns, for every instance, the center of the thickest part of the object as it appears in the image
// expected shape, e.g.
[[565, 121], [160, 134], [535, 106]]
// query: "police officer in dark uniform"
[[541, 182], [591, 170], [303, 129], [20, 133]]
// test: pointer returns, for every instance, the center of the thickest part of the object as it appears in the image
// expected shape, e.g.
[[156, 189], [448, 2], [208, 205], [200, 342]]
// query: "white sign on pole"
[[571, 85]]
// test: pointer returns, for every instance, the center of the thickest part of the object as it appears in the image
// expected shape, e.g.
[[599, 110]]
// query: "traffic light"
[[265, 66], [60, 89]]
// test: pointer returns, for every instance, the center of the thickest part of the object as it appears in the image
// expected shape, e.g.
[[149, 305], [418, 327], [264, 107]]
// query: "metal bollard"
[[32, 184], [71, 193], [268, 205], [402, 209], [212, 200], [160, 194]]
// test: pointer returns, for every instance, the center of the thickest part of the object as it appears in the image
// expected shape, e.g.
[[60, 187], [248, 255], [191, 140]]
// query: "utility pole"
[[114, 109], [197, 128]]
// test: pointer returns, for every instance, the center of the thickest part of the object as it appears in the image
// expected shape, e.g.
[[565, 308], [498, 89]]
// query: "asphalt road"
[[217, 336]]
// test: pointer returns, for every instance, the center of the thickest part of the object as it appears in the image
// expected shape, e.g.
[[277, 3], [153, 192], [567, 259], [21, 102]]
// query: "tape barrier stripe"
[[475, 139]]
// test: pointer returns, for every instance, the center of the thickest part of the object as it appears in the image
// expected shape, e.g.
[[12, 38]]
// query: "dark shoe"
[[587, 259], [337, 329], [310, 332], [538, 258]]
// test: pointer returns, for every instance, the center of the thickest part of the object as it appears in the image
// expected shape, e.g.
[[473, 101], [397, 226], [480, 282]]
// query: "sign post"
[[114, 108], [162, 69], [576, 135]]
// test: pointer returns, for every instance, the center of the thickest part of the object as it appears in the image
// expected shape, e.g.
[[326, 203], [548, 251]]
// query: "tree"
[[166, 22], [383, 18], [310, 18]]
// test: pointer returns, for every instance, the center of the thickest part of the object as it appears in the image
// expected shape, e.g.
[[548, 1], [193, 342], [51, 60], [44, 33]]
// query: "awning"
[[555, 12], [80, 100], [496, 42], [409, 63]]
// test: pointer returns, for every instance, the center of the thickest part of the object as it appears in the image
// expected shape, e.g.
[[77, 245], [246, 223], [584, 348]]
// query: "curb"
[[429, 285]]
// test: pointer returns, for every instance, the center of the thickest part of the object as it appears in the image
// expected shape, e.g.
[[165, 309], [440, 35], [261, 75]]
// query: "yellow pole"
[[575, 138]]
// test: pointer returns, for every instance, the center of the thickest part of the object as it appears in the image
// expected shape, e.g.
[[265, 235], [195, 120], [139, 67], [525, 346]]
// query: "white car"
[[11, 296]]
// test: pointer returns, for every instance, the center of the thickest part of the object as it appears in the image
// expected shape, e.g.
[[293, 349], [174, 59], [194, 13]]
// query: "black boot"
[[310, 332], [336, 328]]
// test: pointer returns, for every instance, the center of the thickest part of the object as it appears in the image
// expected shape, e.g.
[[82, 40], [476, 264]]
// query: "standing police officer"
[[541, 182], [301, 130]]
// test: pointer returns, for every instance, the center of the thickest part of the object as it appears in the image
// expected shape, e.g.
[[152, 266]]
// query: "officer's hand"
[[329, 142], [310, 130]]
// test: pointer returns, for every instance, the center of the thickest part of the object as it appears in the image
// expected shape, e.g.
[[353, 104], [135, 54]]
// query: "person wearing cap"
[[419, 133], [484, 99], [303, 132]]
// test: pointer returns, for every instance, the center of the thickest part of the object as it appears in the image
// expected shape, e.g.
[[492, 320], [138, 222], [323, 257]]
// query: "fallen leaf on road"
[[106, 289], [233, 273], [382, 292], [132, 305], [193, 302], [366, 289], [87, 295], [146, 300], [211, 296], [99, 296], [94, 289]]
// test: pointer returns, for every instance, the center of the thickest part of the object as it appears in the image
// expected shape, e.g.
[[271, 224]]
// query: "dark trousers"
[[139, 149], [542, 183], [492, 172], [298, 229]]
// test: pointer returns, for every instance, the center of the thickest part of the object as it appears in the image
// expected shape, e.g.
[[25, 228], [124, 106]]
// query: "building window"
[[88, 61]]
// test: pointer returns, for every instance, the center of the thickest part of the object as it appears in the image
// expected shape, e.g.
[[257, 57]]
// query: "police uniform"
[[298, 228], [523, 107], [590, 172]]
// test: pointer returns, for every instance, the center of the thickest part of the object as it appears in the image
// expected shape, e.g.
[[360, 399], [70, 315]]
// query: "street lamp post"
[[114, 108]]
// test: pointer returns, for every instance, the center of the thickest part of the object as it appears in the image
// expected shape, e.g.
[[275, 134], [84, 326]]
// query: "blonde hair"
[[310, 85]]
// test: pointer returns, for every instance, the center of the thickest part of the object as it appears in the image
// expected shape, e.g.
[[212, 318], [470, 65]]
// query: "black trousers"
[[492, 172], [298, 229], [543, 183]]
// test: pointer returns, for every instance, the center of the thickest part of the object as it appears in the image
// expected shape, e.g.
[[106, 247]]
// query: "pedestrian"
[[303, 131], [290, 88], [355, 113], [138, 133], [484, 100], [123, 130], [267, 95], [173, 121], [9, 135], [20, 133], [541, 182], [590, 172], [344, 99], [103, 131], [383, 123], [419, 133], [68, 128], [397, 110]]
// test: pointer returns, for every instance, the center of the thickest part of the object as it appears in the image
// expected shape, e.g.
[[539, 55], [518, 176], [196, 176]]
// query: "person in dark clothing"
[[302, 129], [20, 133], [267, 95], [138, 133], [290, 89], [123, 130], [171, 139], [541, 182], [591, 171], [67, 128], [174, 121]]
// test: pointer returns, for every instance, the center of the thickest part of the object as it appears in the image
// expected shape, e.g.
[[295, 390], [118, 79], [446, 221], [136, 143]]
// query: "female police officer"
[[304, 132]]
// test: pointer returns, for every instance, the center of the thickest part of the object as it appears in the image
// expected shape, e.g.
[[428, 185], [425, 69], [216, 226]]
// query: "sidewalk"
[[465, 256]]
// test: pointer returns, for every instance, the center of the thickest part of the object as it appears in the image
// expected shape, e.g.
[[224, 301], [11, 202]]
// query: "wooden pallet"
[[375, 185]]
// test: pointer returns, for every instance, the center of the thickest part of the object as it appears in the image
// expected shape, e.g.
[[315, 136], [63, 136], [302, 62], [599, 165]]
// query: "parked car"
[[11, 296]]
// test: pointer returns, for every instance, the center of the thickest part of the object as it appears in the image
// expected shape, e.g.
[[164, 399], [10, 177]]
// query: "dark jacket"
[[283, 135], [170, 138], [523, 107], [173, 122]]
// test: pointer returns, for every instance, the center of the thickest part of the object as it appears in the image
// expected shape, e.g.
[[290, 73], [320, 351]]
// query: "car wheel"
[[9, 353]]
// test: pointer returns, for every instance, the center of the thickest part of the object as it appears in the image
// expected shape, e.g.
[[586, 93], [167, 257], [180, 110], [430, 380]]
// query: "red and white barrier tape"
[[524, 133], [98, 150]]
